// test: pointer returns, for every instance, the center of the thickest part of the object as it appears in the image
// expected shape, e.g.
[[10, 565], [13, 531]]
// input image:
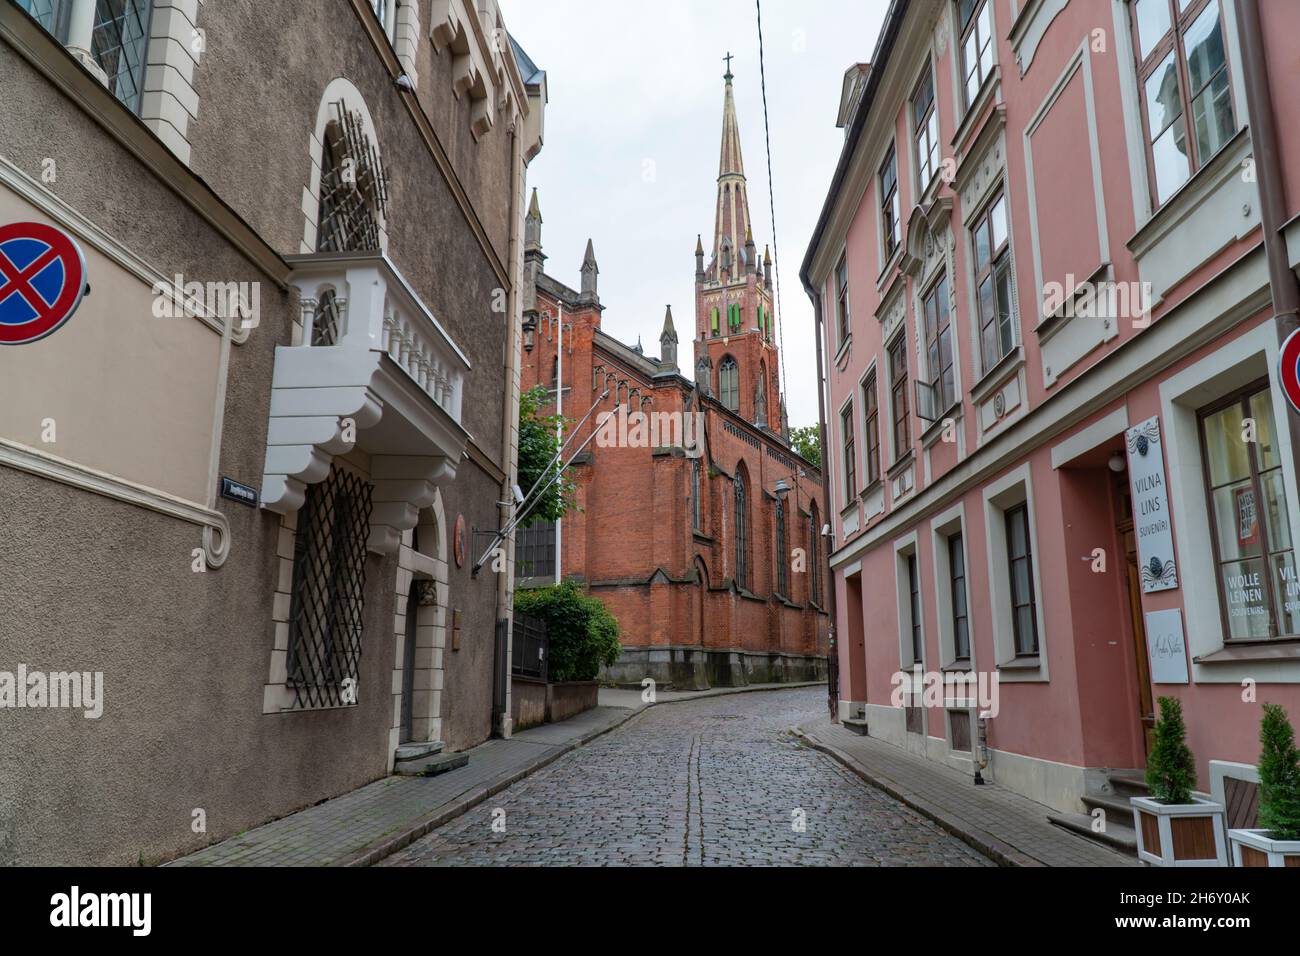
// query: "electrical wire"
[[771, 198]]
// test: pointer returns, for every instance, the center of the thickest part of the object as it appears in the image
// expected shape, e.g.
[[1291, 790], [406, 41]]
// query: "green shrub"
[[1279, 776], [583, 634], [1171, 770]]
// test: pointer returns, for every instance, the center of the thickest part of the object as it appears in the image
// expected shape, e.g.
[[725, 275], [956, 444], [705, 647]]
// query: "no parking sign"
[[42, 281]]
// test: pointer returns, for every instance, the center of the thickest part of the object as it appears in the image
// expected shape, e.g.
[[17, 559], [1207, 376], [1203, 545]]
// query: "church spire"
[[731, 225]]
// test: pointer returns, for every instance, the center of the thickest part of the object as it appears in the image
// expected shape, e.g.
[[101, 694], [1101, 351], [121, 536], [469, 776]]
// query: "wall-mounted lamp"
[[530, 331], [1117, 463]]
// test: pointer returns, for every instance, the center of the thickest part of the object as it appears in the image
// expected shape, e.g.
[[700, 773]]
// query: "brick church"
[[704, 542]]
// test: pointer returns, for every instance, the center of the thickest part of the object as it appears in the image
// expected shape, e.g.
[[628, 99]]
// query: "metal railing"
[[529, 647]]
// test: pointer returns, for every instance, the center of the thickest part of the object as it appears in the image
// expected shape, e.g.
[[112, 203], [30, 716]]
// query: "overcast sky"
[[633, 129]]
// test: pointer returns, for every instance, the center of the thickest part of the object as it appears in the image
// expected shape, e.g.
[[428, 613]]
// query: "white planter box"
[[1179, 834], [1256, 848]]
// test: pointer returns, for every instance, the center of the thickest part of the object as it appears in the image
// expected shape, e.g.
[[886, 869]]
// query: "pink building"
[[1058, 451]]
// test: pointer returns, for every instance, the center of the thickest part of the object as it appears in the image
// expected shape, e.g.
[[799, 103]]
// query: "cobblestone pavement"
[[714, 782]]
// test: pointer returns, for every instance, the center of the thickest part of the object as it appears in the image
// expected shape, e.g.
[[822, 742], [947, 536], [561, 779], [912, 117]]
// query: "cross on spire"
[[727, 75]]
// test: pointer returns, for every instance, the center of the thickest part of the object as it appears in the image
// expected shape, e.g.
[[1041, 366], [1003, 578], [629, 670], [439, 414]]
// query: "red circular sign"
[[42, 281], [1288, 366]]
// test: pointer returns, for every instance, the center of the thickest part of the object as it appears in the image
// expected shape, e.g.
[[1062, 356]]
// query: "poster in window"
[[1247, 518]]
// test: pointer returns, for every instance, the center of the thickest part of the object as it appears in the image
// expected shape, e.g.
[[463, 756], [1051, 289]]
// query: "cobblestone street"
[[719, 781]]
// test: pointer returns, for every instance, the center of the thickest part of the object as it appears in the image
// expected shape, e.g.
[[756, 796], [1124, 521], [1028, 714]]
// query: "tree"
[[538, 445], [807, 441], [1171, 770], [1279, 776]]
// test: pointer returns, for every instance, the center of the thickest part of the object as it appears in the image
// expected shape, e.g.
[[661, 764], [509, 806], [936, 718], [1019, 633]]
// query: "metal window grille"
[[535, 550], [325, 326], [118, 42], [353, 190], [329, 577], [529, 646]]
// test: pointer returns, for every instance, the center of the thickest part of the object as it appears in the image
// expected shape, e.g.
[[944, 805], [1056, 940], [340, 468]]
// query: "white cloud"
[[633, 83]]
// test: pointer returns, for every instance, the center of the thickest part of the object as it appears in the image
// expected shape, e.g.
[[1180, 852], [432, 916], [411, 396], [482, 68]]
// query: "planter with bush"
[[582, 637], [1174, 826], [1277, 841]]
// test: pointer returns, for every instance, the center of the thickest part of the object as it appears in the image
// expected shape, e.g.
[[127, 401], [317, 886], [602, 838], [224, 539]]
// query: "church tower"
[[736, 359]]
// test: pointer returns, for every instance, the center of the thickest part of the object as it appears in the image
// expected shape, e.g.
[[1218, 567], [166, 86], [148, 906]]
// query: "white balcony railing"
[[375, 371]]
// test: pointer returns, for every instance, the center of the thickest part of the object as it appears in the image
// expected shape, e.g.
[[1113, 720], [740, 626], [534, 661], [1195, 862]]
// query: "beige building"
[[241, 486]]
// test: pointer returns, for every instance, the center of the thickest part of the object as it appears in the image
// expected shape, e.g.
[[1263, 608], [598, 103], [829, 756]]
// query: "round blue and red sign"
[[42, 281], [1288, 366]]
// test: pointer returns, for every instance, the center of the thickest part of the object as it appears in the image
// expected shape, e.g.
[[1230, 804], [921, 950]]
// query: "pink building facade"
[[1057, 447]]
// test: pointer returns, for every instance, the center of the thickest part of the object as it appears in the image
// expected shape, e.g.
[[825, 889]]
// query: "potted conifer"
[[1174, 826], [1277, 841]]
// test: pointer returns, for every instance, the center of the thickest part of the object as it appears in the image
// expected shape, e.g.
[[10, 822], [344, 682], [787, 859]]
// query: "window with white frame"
[[871, 423], [1183, 72], [1024, 623], [902, 419], [1014, 577], [1250, 526], [114, 32], [925, 119], [993, 280], [891, 218], [938, 345], [960, 617], [910, 631], [850, 454], [977, 52], [842, 298]]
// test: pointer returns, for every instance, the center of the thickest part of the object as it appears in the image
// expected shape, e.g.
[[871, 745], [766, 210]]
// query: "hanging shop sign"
[[1288, 367]]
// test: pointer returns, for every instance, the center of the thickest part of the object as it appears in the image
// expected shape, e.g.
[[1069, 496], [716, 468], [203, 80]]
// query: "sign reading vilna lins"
[[1155, 537], [42, 281]]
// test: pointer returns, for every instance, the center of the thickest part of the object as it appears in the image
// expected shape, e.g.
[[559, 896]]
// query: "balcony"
[[375, 373]]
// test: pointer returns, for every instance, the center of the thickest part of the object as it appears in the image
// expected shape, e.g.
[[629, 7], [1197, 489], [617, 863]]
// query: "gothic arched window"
[[782, 559], [697, 511], [742, 544], [729, 384]]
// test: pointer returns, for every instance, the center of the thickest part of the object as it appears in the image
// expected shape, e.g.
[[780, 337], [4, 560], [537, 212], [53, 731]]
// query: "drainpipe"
[[502, 722], [1283, 286], [832, 652]]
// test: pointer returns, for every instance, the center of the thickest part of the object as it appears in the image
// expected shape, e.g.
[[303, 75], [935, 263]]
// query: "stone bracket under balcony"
[[383, 378]]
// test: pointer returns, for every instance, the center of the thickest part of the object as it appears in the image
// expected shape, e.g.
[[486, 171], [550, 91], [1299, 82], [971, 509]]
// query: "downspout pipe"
[[1283, 285], [502, 722], [832, 651]]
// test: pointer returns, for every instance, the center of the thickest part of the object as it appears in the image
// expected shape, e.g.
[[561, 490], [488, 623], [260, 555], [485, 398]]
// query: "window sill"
[[866, 492], [998, 374], [1028, 663], [935, 429], [1278, 650], [900, 466], [894, 258], [701, 537], [962, 666], [843, 351], [970, 119], [1190, 194]]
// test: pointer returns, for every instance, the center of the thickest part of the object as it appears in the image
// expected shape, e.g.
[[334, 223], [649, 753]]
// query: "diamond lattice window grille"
[[329, 577], [353, 190], [325, 325]]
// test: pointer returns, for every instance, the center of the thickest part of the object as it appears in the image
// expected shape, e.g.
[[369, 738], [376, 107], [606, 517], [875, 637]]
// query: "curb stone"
[[1001, 852]]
